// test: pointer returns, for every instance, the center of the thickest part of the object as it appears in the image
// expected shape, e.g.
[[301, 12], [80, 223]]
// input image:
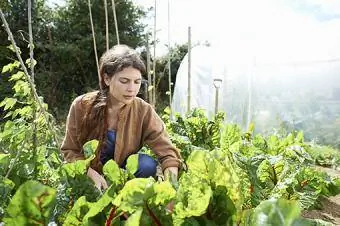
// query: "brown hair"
[[94, 123]]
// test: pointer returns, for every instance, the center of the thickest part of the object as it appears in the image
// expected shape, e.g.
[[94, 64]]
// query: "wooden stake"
[[169, 56], [106, 25], [189, 69], [115, 18], [94, 39]]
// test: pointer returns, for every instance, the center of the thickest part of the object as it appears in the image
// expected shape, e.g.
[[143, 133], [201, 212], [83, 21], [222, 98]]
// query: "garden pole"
[[189, 69]]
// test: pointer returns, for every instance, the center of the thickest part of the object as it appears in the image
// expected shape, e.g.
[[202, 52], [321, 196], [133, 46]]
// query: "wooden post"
[[94, 39], [106, 25], [115, 18], [154, 57], [149, 94], [34, 123], [189, 69], [169, 55]]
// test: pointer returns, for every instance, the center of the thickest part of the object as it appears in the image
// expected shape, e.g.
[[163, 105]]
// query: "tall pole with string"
[[189, 69], [94, 38], [169, 56], [34, 124], [154, 57], [106, 25], [115, 18]]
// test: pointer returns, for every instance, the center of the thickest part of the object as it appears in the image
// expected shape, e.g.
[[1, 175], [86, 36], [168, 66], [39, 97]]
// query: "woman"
[[120, 121]]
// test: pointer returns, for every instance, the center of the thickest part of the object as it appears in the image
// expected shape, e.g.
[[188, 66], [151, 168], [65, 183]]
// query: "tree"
[[162, 73], [63, 44]]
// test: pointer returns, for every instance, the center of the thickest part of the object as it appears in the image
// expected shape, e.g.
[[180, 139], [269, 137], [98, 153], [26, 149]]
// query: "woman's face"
[[124, 85]]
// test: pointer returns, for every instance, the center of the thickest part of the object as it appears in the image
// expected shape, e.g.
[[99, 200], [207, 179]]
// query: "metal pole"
[[216, 100], [189, 69], [250, 93], [217, 84]]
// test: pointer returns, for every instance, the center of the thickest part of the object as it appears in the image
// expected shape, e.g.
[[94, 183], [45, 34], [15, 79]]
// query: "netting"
[[275, 94]]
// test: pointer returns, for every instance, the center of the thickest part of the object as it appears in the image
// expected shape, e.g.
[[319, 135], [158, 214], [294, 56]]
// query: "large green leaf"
[[135, 218], [132, 164], [193, 197], [162, 193], [78, 167], [8, 103], [278, 212], [4, 163], [90, 148], [197, 164], [216, 168], [80, 208], [114, 174], [222, 209], [6, 187], [32, 204], [134, 194], [269, 171], [98, 207]]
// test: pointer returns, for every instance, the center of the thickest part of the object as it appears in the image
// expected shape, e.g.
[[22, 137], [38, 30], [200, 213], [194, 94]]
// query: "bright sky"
[[265, 28], [310, 28]]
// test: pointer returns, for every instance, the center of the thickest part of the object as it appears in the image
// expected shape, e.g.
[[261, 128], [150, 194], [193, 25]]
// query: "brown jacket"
[[138, 124]]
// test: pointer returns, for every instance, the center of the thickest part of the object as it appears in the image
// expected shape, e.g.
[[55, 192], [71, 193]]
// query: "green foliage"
[[176, 53], [325, 156], [63, 45], [275, 212], [26, 138], [90, 148], [79, 210], [133, 195], [196, 130], [132, 164], [210, 192], [4, 163], [6, 187], [114, 174], [232, 177], [32, 204], [73, 184], [191, 201], [271, 170], [215, 196]]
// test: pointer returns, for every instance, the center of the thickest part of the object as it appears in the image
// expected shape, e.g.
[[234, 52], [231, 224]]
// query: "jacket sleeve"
[[155, 136], [71, 148]]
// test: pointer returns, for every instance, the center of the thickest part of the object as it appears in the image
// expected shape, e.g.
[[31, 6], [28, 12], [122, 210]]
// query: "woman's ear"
[[107, 79]]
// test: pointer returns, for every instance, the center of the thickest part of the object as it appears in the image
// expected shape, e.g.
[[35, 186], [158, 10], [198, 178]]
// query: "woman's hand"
[[171, 173], [98, 179]]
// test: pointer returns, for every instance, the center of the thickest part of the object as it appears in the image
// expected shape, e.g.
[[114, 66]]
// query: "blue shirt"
[[108, 151]]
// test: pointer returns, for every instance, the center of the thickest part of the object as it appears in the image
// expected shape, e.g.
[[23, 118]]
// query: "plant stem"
[[111, 216], [14, 161], [152, 216]]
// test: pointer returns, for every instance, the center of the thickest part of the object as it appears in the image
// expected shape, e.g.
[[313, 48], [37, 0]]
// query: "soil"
[[330, 210]]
